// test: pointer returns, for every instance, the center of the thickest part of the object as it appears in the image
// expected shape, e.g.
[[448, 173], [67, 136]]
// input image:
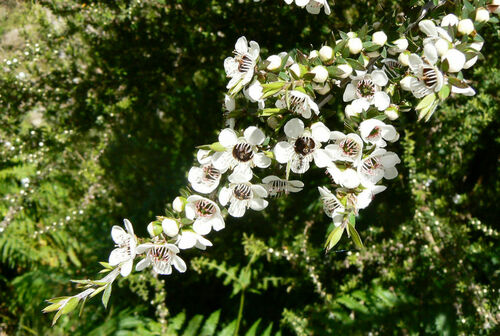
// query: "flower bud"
[[442, 46], [352, 35], [178, 204], [295, 69], [321, 89], [456, 60], [313, 54], [379, 38], [392, 112], [355, 45], [273, 122], [449, 20], [170, 227], [154, 229], [406, 83], [321, 74], [400, 46], [404, 58], [275, 62], [326, 53], [482, 15], [465, 27], [346, 68]]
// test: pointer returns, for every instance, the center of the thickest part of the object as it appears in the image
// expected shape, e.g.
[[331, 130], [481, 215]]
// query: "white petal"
[[283, 151], [179, 264], [258, 204], [241, 45], [294, 128], [379, 77], [468, 91], [261, 160], [119, 235], [254, 136], [224, 195], [190, 210], [237, 208], [381, 100], [202, 226], [227, 137], [217, 222], [117, 256], [322, 158], [254, 50], [126, 268], [431, 53], [349, 93], [203, 156], [187, 240], [320, 132], [259, 190], [143, 264], [143, 247], [428, 27], [391, 173], [415, 63]]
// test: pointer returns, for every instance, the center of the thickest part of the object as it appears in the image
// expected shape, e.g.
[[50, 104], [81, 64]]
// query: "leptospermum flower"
[[299, 103], [190, 239], [240, 68], [379, 164], [276, 186], [346, 147], [126, 244], [242, 196], [303, 146], [364, 198], [162, 257], [332, 206], [241, 153], [428, 78], [206, 178], [376, 132], [365, 89], [205, 213], [314, 6]]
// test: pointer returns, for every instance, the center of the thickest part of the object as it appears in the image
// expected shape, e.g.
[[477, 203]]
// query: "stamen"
[[205, 208], [276, 188], [245, 63], [304, 146], [374, 133], [366, 88], [297, 104], [429, 76], [370, 165], [243, 152], [330, 204], [161, 257], [350, 147], [242, 192], [210, 173]]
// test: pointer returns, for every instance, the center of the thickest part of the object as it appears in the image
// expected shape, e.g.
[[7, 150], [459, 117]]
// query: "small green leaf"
[[334, 237], [355, 236], [217, 147], [106, 295], [426, 102], [444, 92], [210, 324], [70, 305]]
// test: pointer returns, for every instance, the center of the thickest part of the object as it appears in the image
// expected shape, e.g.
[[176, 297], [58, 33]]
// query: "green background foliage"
[[101, 106]]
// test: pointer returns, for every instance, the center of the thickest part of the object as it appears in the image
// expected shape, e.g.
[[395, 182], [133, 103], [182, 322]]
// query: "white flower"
[[364, 198], [346, 147], [276, 187], [465, 27], [242, 196], [240, 68], [300, 103], [321, 74], [449, 20], [366, 89], [314, 6], [456, 60], [303, 146], [433, 33], [326, 53], [355, 45], [126, 244], [348, 178], [482, 15], [162, 257], [205, 213], [190, 239], [170, 227], [332, 205], [428, 77], [379, 164], [379, 38], [206, 178], [375, 131], [241, 153]]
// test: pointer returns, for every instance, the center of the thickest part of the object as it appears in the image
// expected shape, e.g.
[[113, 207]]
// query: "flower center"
[[245, 63], [210, 173], [366, 88], [297, 104], [392, 67], [429, 76], [277, 187], [242, 192], [160, 254], [204, 208], [330, 204], [370, 165], [243, 152], [350, 147], [304, 145]]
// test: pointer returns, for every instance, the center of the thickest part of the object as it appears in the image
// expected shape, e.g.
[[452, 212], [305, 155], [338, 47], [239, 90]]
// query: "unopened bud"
[[456, 60], [442, 46], [392, 112], [154, 229], [313, 54], [321, 89], [379, 38], [404, 58], [406, 83], [321, 74], [274, 62], [295, 69], [355, 45], [449, 20], [465, 27], [482, 15], [346, 68], [326, 53], [178, 204], [170, 227]]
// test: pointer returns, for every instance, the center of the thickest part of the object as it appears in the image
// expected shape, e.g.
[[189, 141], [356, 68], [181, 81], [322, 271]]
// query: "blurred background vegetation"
[[101, 105]]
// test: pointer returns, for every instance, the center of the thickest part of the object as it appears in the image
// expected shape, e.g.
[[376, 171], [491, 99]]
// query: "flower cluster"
[[377, 80]]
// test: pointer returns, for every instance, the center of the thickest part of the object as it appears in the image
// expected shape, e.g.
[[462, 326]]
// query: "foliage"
[[114, 97]]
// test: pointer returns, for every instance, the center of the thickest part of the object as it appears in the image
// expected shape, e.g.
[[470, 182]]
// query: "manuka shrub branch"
[[278, 128]]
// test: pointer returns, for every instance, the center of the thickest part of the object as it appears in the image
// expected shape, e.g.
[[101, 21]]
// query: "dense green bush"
[[101, 105]]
